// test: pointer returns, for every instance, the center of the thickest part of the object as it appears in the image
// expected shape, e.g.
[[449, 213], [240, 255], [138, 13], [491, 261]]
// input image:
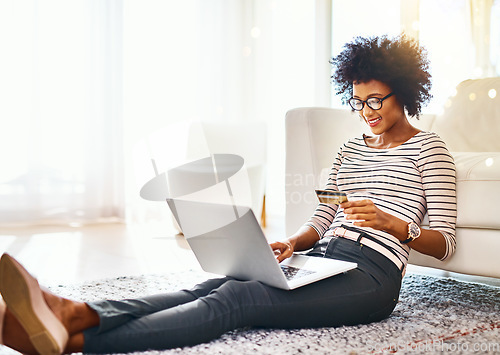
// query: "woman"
[[392, 179]]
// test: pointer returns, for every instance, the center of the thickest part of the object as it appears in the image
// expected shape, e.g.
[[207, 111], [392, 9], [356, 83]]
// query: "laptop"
[[228, 240]]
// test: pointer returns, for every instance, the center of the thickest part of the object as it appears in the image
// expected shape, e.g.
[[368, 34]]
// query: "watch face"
[[413, 230]]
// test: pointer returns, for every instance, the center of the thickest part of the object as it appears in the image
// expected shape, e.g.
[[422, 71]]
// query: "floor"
[[63, 254], [68, 255]]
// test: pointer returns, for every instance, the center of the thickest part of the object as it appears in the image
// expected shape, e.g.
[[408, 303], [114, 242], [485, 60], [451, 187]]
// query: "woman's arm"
[[437, 171], [366, 214], [320, 221], [303, 239], [430, 242]]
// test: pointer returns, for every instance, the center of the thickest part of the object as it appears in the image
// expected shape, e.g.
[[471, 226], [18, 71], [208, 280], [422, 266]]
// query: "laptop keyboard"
[[292, 272]]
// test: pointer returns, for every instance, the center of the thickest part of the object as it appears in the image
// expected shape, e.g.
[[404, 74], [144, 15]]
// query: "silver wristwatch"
[[413, 232]]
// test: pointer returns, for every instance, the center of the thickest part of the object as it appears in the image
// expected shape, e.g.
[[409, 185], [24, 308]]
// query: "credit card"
[[331, 197]]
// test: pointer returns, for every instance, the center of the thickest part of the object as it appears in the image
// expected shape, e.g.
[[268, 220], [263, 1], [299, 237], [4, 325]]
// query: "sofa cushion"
[[478, 189]]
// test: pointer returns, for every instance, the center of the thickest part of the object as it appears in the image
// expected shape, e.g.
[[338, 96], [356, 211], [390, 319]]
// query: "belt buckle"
[[330, 232]]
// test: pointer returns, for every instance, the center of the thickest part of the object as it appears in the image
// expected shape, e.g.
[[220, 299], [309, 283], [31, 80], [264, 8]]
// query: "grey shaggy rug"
[[434, 315]]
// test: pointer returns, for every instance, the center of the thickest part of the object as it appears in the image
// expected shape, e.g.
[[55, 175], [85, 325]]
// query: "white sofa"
[[470, 126]]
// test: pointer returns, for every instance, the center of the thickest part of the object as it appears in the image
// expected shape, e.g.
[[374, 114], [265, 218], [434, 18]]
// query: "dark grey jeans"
[[366, 294]]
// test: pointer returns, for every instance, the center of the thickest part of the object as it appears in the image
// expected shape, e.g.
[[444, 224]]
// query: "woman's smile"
[[372, 122]]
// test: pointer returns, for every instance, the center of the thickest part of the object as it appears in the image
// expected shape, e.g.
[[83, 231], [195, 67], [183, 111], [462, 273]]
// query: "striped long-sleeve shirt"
[[407, 181]]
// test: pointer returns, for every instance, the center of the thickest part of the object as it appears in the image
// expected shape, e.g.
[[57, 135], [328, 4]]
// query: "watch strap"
[[411, 235]]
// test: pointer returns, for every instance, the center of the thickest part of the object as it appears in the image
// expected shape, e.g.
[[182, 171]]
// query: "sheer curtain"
[[60, 142], [84, 80]]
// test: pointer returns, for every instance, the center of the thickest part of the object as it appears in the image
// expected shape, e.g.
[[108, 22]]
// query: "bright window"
[[364, 18], [445, 32], [462, 37]]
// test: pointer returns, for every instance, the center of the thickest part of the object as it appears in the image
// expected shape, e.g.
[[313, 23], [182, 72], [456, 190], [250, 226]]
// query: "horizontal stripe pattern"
[[406, 181]]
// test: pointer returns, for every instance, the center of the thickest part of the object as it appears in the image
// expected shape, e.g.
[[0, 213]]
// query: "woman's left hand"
[[366, 214]]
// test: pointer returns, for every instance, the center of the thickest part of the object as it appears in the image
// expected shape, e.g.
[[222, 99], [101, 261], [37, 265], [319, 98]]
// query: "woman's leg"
[[122, 311], [78, 316], [351, 298], [115, 313], [366, 294]]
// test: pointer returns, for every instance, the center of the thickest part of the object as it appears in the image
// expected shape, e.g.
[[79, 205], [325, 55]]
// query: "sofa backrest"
[[470, 121]]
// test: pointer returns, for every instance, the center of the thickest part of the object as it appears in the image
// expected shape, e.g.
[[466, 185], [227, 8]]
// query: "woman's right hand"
[[282, 250]]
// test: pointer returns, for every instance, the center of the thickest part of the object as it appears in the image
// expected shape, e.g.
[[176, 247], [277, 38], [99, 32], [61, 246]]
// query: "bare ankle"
[[75, 344], [75, 316], [84, 317]]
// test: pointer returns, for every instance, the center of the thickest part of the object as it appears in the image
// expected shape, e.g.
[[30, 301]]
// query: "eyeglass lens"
[[374, 103]]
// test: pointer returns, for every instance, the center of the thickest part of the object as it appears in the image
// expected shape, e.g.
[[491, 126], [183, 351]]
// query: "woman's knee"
[[205, 287], [243, 293]]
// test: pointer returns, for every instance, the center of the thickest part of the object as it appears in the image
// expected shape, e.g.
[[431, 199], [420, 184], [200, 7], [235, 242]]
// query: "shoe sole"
[[24, 299]]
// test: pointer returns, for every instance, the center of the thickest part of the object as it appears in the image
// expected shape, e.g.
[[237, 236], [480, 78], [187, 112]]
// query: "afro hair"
[[399, 63]]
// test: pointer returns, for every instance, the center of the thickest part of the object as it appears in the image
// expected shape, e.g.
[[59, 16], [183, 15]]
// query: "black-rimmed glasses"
[[373, 102]]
